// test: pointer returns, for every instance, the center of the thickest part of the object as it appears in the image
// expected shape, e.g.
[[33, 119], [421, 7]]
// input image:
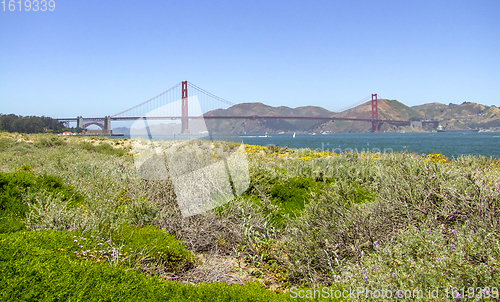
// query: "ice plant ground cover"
[[399, 221]]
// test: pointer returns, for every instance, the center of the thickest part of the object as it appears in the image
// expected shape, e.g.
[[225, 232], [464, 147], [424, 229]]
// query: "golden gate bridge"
[[209, 102]]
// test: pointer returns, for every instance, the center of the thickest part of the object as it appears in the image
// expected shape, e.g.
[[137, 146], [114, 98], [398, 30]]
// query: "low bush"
[[423, 259], [294, 193], [152, 249], [15, 186], [49, 142], [42, 266], [103, 148]]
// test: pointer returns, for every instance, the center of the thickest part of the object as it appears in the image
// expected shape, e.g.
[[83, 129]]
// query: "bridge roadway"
[[399, 122]]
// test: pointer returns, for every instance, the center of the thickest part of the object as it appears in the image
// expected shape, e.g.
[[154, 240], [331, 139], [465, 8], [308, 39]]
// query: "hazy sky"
[[96, 58]]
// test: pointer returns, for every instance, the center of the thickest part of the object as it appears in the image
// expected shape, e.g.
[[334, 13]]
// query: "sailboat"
[[293, 135]]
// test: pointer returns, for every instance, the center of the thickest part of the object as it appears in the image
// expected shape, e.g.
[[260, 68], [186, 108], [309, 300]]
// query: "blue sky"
[[96, 58]]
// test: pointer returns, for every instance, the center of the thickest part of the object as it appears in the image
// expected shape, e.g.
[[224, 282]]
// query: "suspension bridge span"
[[183, 92]]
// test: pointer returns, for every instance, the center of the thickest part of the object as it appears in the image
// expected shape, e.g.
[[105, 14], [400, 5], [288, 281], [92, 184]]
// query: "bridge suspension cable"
[[149, 101], [210, 94], [207, 100], [363, 100]]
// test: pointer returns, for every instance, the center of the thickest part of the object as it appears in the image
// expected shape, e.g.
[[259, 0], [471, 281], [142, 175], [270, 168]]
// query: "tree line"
[[30, 124]]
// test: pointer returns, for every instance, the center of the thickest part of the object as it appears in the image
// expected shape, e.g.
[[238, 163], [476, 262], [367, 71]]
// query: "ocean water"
[[447, 143]]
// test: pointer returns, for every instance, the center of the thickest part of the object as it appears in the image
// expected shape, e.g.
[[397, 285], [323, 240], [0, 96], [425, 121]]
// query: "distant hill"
[[452, 116], [122, 130], [464, 116], [387, 109], [264, 125]]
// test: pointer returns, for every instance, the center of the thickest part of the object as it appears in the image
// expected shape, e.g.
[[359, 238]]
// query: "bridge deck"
[[332, 118]]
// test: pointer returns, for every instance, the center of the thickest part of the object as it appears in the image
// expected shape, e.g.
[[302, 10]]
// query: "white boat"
[[293, 135]]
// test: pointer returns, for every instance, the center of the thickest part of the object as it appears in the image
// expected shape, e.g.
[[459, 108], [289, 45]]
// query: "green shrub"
[[42, 266], [103, 148], [160, 250], [431, 258], [294, 193], [49, 142], [335, 231], [14, 186]]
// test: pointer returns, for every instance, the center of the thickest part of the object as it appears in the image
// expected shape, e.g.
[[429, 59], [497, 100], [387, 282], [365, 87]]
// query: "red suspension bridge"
[[207, 102]]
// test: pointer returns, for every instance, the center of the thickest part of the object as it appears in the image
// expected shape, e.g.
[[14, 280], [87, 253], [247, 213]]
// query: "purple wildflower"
[[365, 278], [429, 231], [458, 296], [376, 269], [399, 294], [363, 271], [453, 231], [452, 246]]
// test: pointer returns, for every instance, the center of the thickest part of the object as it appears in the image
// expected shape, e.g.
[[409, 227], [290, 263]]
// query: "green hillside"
[[464, 116], [264, 125]]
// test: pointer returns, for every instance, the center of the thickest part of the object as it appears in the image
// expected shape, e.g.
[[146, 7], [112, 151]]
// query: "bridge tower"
[[374, 113], [185, 112], [79, 122], [107, 123]]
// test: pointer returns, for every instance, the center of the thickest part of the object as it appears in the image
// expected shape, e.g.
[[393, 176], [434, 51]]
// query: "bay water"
[[450, 144]]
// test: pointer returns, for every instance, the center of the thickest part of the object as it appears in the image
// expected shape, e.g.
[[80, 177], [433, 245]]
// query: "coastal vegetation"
[[30, 124], [77, 223]]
